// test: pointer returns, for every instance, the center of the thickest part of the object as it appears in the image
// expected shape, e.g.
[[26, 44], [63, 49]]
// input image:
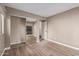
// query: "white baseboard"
[[16, 43], [66, 45], [5, 50]]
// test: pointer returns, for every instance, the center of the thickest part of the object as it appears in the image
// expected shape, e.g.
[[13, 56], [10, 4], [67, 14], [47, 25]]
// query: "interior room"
[[39, 29]]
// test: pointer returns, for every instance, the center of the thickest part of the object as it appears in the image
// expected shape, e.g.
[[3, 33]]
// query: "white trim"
[[66, 45], [7, 48], [16, 42], [4, 50], [2, 23]]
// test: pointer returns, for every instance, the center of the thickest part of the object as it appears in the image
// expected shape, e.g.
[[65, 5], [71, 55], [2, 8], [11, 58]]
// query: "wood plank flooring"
[[43, 48]]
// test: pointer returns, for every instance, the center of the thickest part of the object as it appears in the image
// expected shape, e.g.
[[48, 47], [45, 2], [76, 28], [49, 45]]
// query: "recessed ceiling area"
[[43, 9]]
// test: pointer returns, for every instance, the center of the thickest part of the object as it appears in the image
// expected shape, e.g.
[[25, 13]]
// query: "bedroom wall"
[[18, 30], [64, 27]]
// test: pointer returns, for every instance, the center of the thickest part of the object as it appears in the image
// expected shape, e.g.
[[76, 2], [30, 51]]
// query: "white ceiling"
[[43, 9]]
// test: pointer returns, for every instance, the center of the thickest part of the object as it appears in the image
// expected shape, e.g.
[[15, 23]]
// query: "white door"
[[45, 30]]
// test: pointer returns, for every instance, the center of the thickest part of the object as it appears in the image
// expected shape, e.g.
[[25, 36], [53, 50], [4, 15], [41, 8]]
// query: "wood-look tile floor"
[[43, 48]]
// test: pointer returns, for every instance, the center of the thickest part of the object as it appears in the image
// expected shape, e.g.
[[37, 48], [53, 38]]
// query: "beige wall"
[[2, 37], [45, 30], [35, 29], [17, 30], [7, 31], [64, 27]]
